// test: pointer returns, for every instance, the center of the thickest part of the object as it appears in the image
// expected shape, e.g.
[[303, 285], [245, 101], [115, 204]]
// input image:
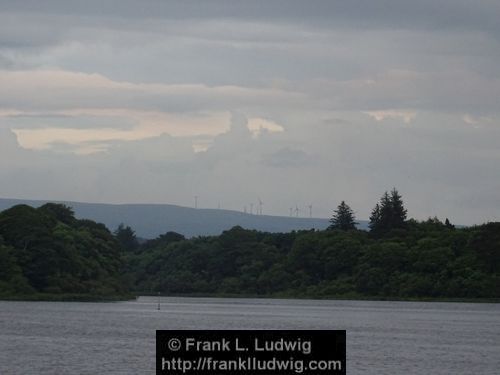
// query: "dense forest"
[[47, 250], [47, 253], [425, 260], [397, 258]]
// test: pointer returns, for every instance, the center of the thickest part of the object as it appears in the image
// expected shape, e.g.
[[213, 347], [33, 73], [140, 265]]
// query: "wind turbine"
[[310, 211], [260, 206], [251, 208], [296, 211]]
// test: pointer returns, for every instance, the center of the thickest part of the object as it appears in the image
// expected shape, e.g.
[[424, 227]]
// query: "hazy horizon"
[[303, 215], [289, 102]]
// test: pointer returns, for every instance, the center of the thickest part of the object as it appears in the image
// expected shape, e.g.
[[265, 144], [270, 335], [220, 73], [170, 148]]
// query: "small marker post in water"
[[158, 301]]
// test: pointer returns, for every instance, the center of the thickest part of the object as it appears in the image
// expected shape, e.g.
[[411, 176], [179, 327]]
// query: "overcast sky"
[[293, 102]]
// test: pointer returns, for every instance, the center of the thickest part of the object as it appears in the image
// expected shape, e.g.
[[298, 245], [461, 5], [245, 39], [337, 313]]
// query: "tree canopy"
[[47, 250], [388, 214], [343, 218], [126, 237], [423, 260]]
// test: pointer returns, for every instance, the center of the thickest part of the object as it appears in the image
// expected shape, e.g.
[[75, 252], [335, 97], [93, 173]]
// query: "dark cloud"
[[424, 14]]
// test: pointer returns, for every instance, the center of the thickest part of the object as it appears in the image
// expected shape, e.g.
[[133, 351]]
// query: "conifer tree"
[[398, 219], [448, 224], [375, 218], [385, 212], [389, 213], [343, 218]]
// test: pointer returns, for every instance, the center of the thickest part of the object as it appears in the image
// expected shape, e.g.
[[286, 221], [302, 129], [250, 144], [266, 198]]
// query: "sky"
[[291, 102]]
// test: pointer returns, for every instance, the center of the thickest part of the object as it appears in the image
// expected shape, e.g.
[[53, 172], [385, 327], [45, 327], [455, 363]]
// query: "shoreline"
[[47, 297], [331, 298], [129, 297]]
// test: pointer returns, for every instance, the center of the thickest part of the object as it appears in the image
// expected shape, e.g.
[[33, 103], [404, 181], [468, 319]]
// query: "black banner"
[[251, 352]]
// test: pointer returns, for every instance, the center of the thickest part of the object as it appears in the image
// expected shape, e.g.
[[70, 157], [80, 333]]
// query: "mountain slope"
[[151, 220]]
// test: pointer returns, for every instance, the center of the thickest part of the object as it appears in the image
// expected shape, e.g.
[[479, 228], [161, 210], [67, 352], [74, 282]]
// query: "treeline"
[[397, 258], [46, 253], [424, 260]]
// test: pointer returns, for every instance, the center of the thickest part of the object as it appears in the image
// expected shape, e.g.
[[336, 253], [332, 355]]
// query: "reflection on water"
[[119, 338]]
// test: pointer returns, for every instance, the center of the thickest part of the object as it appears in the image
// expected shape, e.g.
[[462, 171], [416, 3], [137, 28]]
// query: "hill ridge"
[[149, 220]]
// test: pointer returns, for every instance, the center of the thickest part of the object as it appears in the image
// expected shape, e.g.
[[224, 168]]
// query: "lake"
[[119, 338]]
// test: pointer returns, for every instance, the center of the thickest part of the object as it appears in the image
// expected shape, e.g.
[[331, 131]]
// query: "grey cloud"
[[164, 148], [8, 143], [37, 31], [288, 158], [437, 175], [173, 27], [66, 90], [357, 13], [55, 120], [315, 68], [450, 48], [446, 91]]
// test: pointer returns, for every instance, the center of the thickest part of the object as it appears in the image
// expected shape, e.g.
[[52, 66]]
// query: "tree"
[[375, 218], [61, 212], [398, 219], [126, 237], [42, 253], [380, 218], [163, 240], [343, 218], [389, 213], [448, 224]]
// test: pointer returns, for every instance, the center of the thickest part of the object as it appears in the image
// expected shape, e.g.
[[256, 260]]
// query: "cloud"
[[8, 142], [406, 90], [425, 14], [348, 159], [121, 110], [123, 125], [128, 101], [55, 90], [66, 119], [259, 125], [288, 158], [406, 116], [478, 121]]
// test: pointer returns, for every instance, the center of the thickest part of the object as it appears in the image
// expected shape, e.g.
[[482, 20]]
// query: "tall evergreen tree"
[[385, 213], [398, 219], [389, 213], [448, 224], [375, 218], [343, 218]]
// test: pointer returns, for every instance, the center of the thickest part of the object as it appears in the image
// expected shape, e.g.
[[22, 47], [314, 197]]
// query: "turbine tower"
[[296, 211], [310, 211], [251, 208], [260, 206]]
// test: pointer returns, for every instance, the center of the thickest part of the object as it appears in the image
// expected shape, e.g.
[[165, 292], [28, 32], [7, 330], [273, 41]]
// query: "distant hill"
[[151, 220]]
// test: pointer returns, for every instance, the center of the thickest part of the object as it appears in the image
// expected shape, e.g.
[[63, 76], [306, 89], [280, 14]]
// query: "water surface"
[[119, 338]]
